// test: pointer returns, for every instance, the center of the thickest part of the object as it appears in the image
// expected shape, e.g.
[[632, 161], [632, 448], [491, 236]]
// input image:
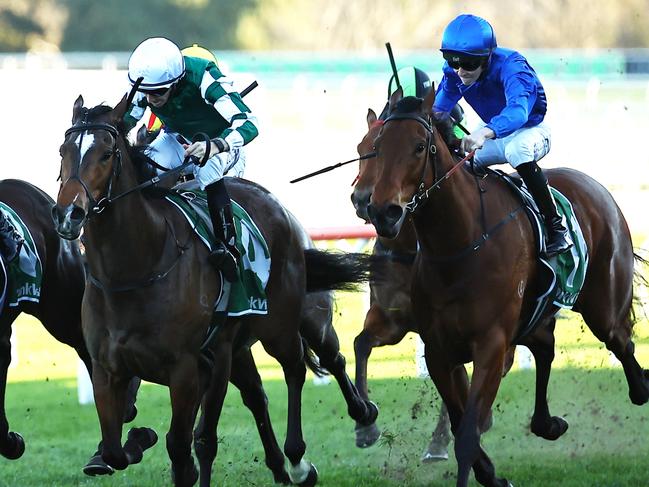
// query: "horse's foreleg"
[[377, 331], [437, 449], [452, 385], [489, 358], [290, 357], [246, 378], [110, 393], [185, 392], [12, 445], [541, 344]]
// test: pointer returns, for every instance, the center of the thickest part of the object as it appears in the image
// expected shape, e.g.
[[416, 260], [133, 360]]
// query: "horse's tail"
[[640, 280], [312, 361], [336, 271]]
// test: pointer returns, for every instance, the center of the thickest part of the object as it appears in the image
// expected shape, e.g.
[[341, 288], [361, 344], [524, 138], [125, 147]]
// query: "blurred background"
[[320, 65]]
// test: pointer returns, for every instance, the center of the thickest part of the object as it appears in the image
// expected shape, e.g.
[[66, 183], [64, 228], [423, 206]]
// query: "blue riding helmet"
[[470, 35]]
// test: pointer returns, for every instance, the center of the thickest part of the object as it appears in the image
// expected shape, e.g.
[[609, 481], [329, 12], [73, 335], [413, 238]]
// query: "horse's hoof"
[[145, 437], [15, 448], [552, 430], [97, 466], [372, 413], [130, 414], [366, 436], [191, 479], [139, 440], [281, 478], [311, 479], [433, 455], [641, 396]]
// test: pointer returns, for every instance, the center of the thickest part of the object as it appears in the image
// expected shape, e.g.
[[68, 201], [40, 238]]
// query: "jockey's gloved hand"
[[475, 140]]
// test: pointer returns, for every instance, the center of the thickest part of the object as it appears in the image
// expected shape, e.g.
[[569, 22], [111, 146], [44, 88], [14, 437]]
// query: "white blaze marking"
[[85, 142]]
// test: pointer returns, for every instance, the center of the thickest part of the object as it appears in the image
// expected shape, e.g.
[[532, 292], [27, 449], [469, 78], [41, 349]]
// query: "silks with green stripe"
[[25, 272], [247, 295]]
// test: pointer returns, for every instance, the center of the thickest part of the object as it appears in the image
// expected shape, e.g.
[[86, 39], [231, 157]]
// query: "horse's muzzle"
[[68, 221], [387, 219], [361, 200]]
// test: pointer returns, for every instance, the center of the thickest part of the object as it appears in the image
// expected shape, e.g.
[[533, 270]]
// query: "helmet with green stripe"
[[413, 81]]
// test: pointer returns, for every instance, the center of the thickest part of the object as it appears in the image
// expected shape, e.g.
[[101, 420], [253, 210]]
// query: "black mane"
[[141, 161], [412, 104]]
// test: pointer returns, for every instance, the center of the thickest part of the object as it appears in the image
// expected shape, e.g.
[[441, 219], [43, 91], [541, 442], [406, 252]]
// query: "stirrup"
[[223, 260], [558, 243]]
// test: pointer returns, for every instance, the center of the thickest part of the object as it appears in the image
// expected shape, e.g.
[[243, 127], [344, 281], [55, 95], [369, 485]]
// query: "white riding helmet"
[[158, 61]]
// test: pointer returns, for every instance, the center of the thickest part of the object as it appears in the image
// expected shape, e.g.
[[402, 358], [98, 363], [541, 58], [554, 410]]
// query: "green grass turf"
[[605, 446]]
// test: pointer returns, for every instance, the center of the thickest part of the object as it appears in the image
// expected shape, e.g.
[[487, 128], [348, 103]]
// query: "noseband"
[[423, 193], [96, 206]]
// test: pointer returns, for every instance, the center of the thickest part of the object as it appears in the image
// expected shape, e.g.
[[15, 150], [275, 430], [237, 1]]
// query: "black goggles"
[[467, 63], [158, 92]]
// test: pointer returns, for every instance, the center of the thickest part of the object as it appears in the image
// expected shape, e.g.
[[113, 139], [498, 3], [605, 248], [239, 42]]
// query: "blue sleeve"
[[520, 96], [447, 95]]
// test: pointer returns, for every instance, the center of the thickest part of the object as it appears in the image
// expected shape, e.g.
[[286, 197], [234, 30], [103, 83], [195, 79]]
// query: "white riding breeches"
[[527, 144], [166, 151]]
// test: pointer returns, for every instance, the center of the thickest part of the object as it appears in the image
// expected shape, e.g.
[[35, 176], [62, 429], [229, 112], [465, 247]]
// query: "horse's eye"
[[106, 155], [421, 147]]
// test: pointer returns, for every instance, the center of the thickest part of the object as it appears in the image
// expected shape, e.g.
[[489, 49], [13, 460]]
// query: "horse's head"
[[366, 167], [90, 164], [405, 160]]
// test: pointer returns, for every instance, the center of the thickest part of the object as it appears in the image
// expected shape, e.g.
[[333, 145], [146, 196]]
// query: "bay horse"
[[149, 301], [475, 272], [389, 317], [59, 305]]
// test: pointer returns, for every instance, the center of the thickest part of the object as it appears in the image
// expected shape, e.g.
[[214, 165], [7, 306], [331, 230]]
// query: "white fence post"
[[84, 385]]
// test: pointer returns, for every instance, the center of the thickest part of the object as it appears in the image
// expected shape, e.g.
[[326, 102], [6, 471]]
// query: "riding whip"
[[331, 168], [393, 64]]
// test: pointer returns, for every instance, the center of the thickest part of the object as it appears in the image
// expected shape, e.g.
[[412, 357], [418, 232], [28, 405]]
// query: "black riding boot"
[[225, 255], [10, 239], [558, 239]]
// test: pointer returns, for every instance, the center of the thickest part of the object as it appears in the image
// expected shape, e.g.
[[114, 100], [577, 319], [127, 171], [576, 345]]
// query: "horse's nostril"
[[77, 214], [393, 212]]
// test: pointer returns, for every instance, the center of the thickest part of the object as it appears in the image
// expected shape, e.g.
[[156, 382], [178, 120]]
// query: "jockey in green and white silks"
[[191, 95]]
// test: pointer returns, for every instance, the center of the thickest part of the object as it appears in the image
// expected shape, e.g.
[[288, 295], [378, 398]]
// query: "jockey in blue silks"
[[503, 89]]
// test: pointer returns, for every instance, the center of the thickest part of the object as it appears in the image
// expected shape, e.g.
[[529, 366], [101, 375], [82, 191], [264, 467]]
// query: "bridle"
[[96, 206], [423, 193]]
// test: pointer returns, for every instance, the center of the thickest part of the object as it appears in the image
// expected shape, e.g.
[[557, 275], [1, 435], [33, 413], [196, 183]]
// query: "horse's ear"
[[371, 118], [120, 109], [395, 98], [429, 100], [77, 109]]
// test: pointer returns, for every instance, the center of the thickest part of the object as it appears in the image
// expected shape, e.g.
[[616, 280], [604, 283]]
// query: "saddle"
[[561, 276]]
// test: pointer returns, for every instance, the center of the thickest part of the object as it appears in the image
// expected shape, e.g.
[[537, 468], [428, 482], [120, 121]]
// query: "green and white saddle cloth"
[[25, 272], [571, 266], [248, 293]]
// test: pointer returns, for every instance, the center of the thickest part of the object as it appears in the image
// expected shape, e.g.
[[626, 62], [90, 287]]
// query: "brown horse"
[[475, 273], [149, 301], [390, 315], [59, 306]]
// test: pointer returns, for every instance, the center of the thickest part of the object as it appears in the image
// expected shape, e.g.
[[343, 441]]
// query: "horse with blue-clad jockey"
[[498, 258]]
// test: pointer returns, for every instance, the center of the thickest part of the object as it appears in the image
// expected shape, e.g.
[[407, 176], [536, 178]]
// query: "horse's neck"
[[128, 239], [451, 218]]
